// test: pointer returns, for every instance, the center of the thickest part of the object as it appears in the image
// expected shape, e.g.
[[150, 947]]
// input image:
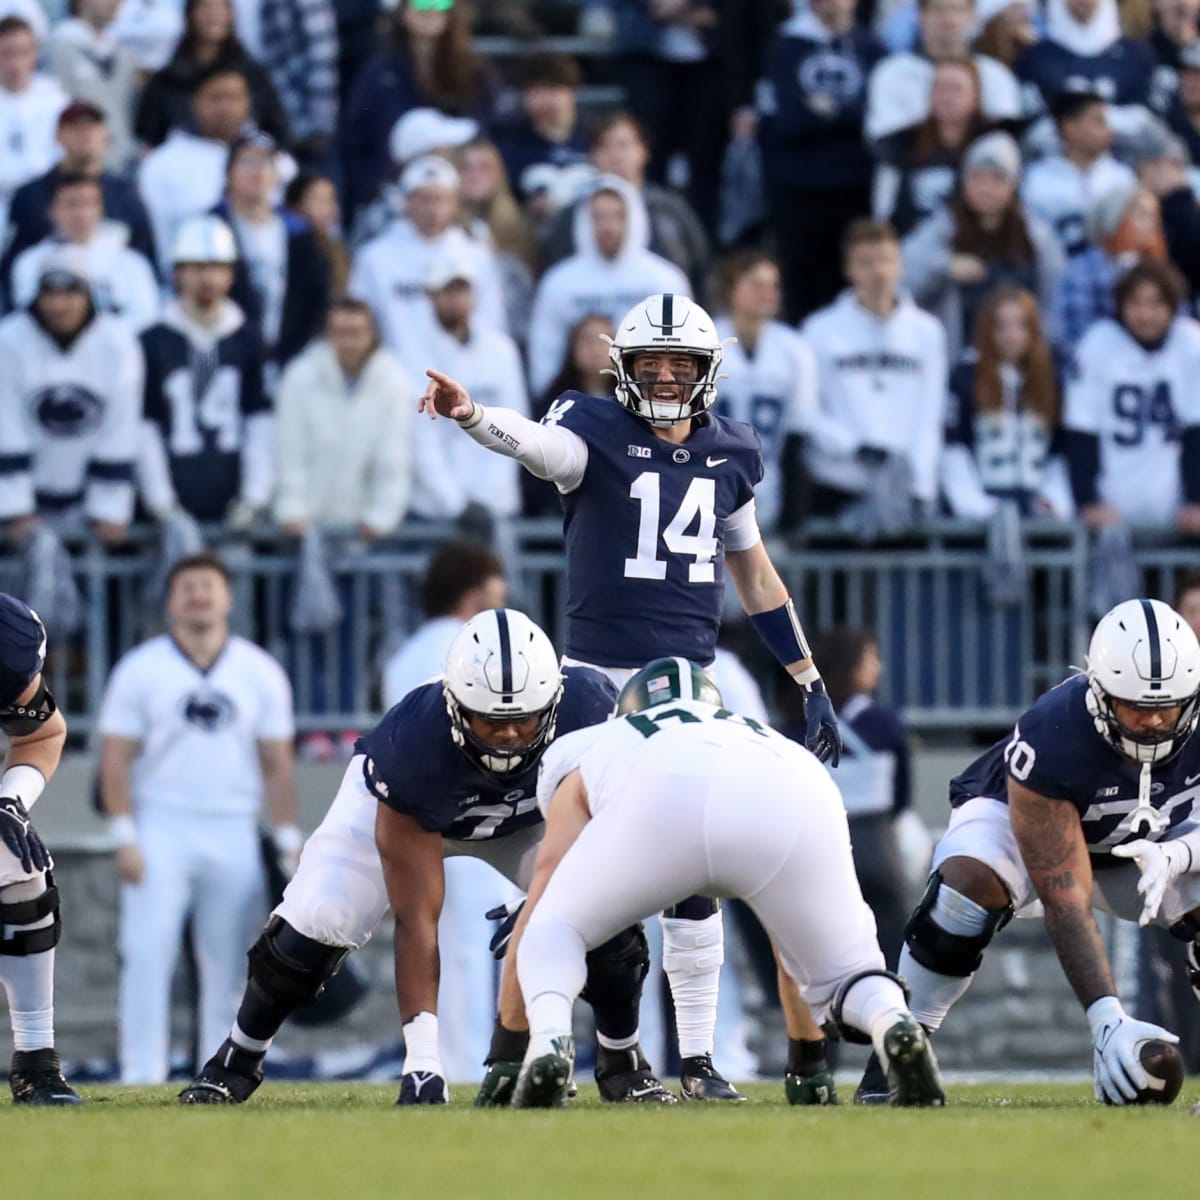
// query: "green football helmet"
[[665, 681]]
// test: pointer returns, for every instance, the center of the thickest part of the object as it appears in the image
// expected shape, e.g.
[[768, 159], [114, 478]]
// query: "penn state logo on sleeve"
[[209, 710], [66, 410]]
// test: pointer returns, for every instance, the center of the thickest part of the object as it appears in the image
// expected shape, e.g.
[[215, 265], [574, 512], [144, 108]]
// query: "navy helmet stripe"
[[506, 672], [1155, 645], [668, 313]]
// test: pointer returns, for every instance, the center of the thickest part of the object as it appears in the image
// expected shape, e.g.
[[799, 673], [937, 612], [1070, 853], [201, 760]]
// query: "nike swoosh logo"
[[714, 462], [1190, 780], [638, 1093]]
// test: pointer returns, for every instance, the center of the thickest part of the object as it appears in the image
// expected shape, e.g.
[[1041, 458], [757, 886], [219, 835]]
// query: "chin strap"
[[1145, 813]]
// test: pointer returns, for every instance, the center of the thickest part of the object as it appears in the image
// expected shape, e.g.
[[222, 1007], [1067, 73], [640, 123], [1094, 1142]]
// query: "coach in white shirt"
[[196, 730]]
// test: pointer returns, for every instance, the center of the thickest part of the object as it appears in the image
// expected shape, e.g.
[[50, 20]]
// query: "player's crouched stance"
[[679, 796], [1102, 769]]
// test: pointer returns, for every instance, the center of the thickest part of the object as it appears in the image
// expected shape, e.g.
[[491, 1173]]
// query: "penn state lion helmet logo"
[[67, 410], [208, 710]]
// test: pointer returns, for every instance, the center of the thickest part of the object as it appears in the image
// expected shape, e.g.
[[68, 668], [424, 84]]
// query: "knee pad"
[[693, 945], [616, 969], [949, 953], [29, 911], [289, 967], [694, 908], [851, 1033]]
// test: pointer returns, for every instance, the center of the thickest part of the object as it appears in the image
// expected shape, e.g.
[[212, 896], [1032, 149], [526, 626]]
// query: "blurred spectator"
[[1006, 29], [209, 45], [428, 61], [1167, 178], [877, 784], [314, 198], [281, 281], [898, 90], [1183, 113], [83, 142], [494, 217], [1131, 409], [954, 258], [30, 103], [770, 381], [881, 379], [122, 280], [1176, 28], [586, 368], [1062, 188], [816, 170], [32, 12], [451, 473], [917, 169], [150, 30], [207, 434], [343, 418], [610, 271], [299, 48], [1124, 227], [1083, 48], [68, 407], [548, 130], [391, 270], [92, 65], [1003, 416], [620, 147], [422, 131]]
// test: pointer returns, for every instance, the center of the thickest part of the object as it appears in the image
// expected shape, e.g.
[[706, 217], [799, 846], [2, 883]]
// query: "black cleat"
[[231, 1076], [700, 1080], [544, 1080], [873, 1087], [624, 1077], [912, 1070], [36, 1078]]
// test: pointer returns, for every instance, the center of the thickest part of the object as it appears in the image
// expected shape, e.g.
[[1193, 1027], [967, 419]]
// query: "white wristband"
[[808, 676], [288, 839], [24, 781], [421, 1044], [123, 830], [474, 418]]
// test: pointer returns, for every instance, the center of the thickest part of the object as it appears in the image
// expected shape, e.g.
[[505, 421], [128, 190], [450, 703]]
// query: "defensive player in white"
[[679, 795], [196, 730]]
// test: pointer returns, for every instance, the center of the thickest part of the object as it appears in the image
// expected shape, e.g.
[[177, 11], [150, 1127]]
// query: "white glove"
[[1116, 1040], [289, 841], [1161, 863], [915, 843]]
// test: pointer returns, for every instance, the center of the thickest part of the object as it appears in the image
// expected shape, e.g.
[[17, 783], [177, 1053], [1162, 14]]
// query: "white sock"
[[240, 1038], [29, 979], [693, 952], [552, 969], [874, 1004], [549, 1017]]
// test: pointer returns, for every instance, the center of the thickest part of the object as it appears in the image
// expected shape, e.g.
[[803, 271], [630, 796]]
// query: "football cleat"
[[543, 1080], [808, 1090], [624, 1077], [423, 1087], [700, 1080], [496, 1090], [912, 1070], [231, 1076], [873, 1087], [36, 1078]]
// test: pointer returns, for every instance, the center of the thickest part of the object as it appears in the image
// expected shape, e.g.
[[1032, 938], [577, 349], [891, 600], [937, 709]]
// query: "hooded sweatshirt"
[[587, 282]]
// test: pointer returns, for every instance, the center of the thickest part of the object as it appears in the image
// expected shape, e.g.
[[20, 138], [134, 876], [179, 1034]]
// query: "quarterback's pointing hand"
[[445, 398]]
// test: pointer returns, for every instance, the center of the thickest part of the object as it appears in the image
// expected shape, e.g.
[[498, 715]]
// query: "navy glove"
[[820, 724], [508, 916], [20, 836]]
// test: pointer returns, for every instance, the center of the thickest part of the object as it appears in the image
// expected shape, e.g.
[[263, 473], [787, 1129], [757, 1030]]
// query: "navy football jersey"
[[1056, 751], [22, 647], [413, 766], [645, 532], [200, 399]]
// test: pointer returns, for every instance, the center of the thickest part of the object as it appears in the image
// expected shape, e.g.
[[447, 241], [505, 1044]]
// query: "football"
[[1164, 1065]]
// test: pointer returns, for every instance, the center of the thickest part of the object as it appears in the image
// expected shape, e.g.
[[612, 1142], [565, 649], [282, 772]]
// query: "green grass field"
[[335, 1140]]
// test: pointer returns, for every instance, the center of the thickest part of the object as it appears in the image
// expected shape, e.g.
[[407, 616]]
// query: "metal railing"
[[953, 658]]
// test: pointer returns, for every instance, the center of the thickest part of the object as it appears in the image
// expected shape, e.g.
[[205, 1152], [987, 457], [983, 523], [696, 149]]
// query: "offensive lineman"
[[450, 770], [28, 898], [1102, 769], [658, 496], [679, 795]]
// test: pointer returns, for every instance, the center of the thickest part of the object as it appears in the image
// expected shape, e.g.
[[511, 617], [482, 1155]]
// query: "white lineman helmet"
[[1144, 654], [673, 325], [503, 667], [205, 239]]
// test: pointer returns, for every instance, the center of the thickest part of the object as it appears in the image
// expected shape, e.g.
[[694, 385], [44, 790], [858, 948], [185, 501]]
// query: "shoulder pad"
[[22, 647], [19, 720]]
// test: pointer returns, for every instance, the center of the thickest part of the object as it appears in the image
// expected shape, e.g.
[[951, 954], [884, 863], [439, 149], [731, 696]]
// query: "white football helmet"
[[503, 667], [1144, 654], [204, 239], [666, 324]]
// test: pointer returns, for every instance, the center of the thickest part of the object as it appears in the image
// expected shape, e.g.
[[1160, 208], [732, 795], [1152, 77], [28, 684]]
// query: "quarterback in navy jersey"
[[1092, 803], [658, 498]]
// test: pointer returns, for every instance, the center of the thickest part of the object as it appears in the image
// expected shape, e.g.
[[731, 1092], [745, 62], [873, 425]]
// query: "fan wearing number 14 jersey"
[[658, 498]]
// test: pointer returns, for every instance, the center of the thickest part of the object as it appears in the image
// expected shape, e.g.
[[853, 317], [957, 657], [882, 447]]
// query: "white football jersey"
[[199, 730], [1137, 402], [1063, 194], [775, 390]]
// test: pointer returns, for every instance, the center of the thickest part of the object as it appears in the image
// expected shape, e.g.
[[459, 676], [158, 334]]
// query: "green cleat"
[[912, 1070], [496, 1090], [809, 1090]]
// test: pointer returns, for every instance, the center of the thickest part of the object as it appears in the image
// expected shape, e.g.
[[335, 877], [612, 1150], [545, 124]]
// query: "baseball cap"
[[447, 268], [79, 111], [1155, 140], [428, 171], [422, 130], [65, 269], [994, 152]]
